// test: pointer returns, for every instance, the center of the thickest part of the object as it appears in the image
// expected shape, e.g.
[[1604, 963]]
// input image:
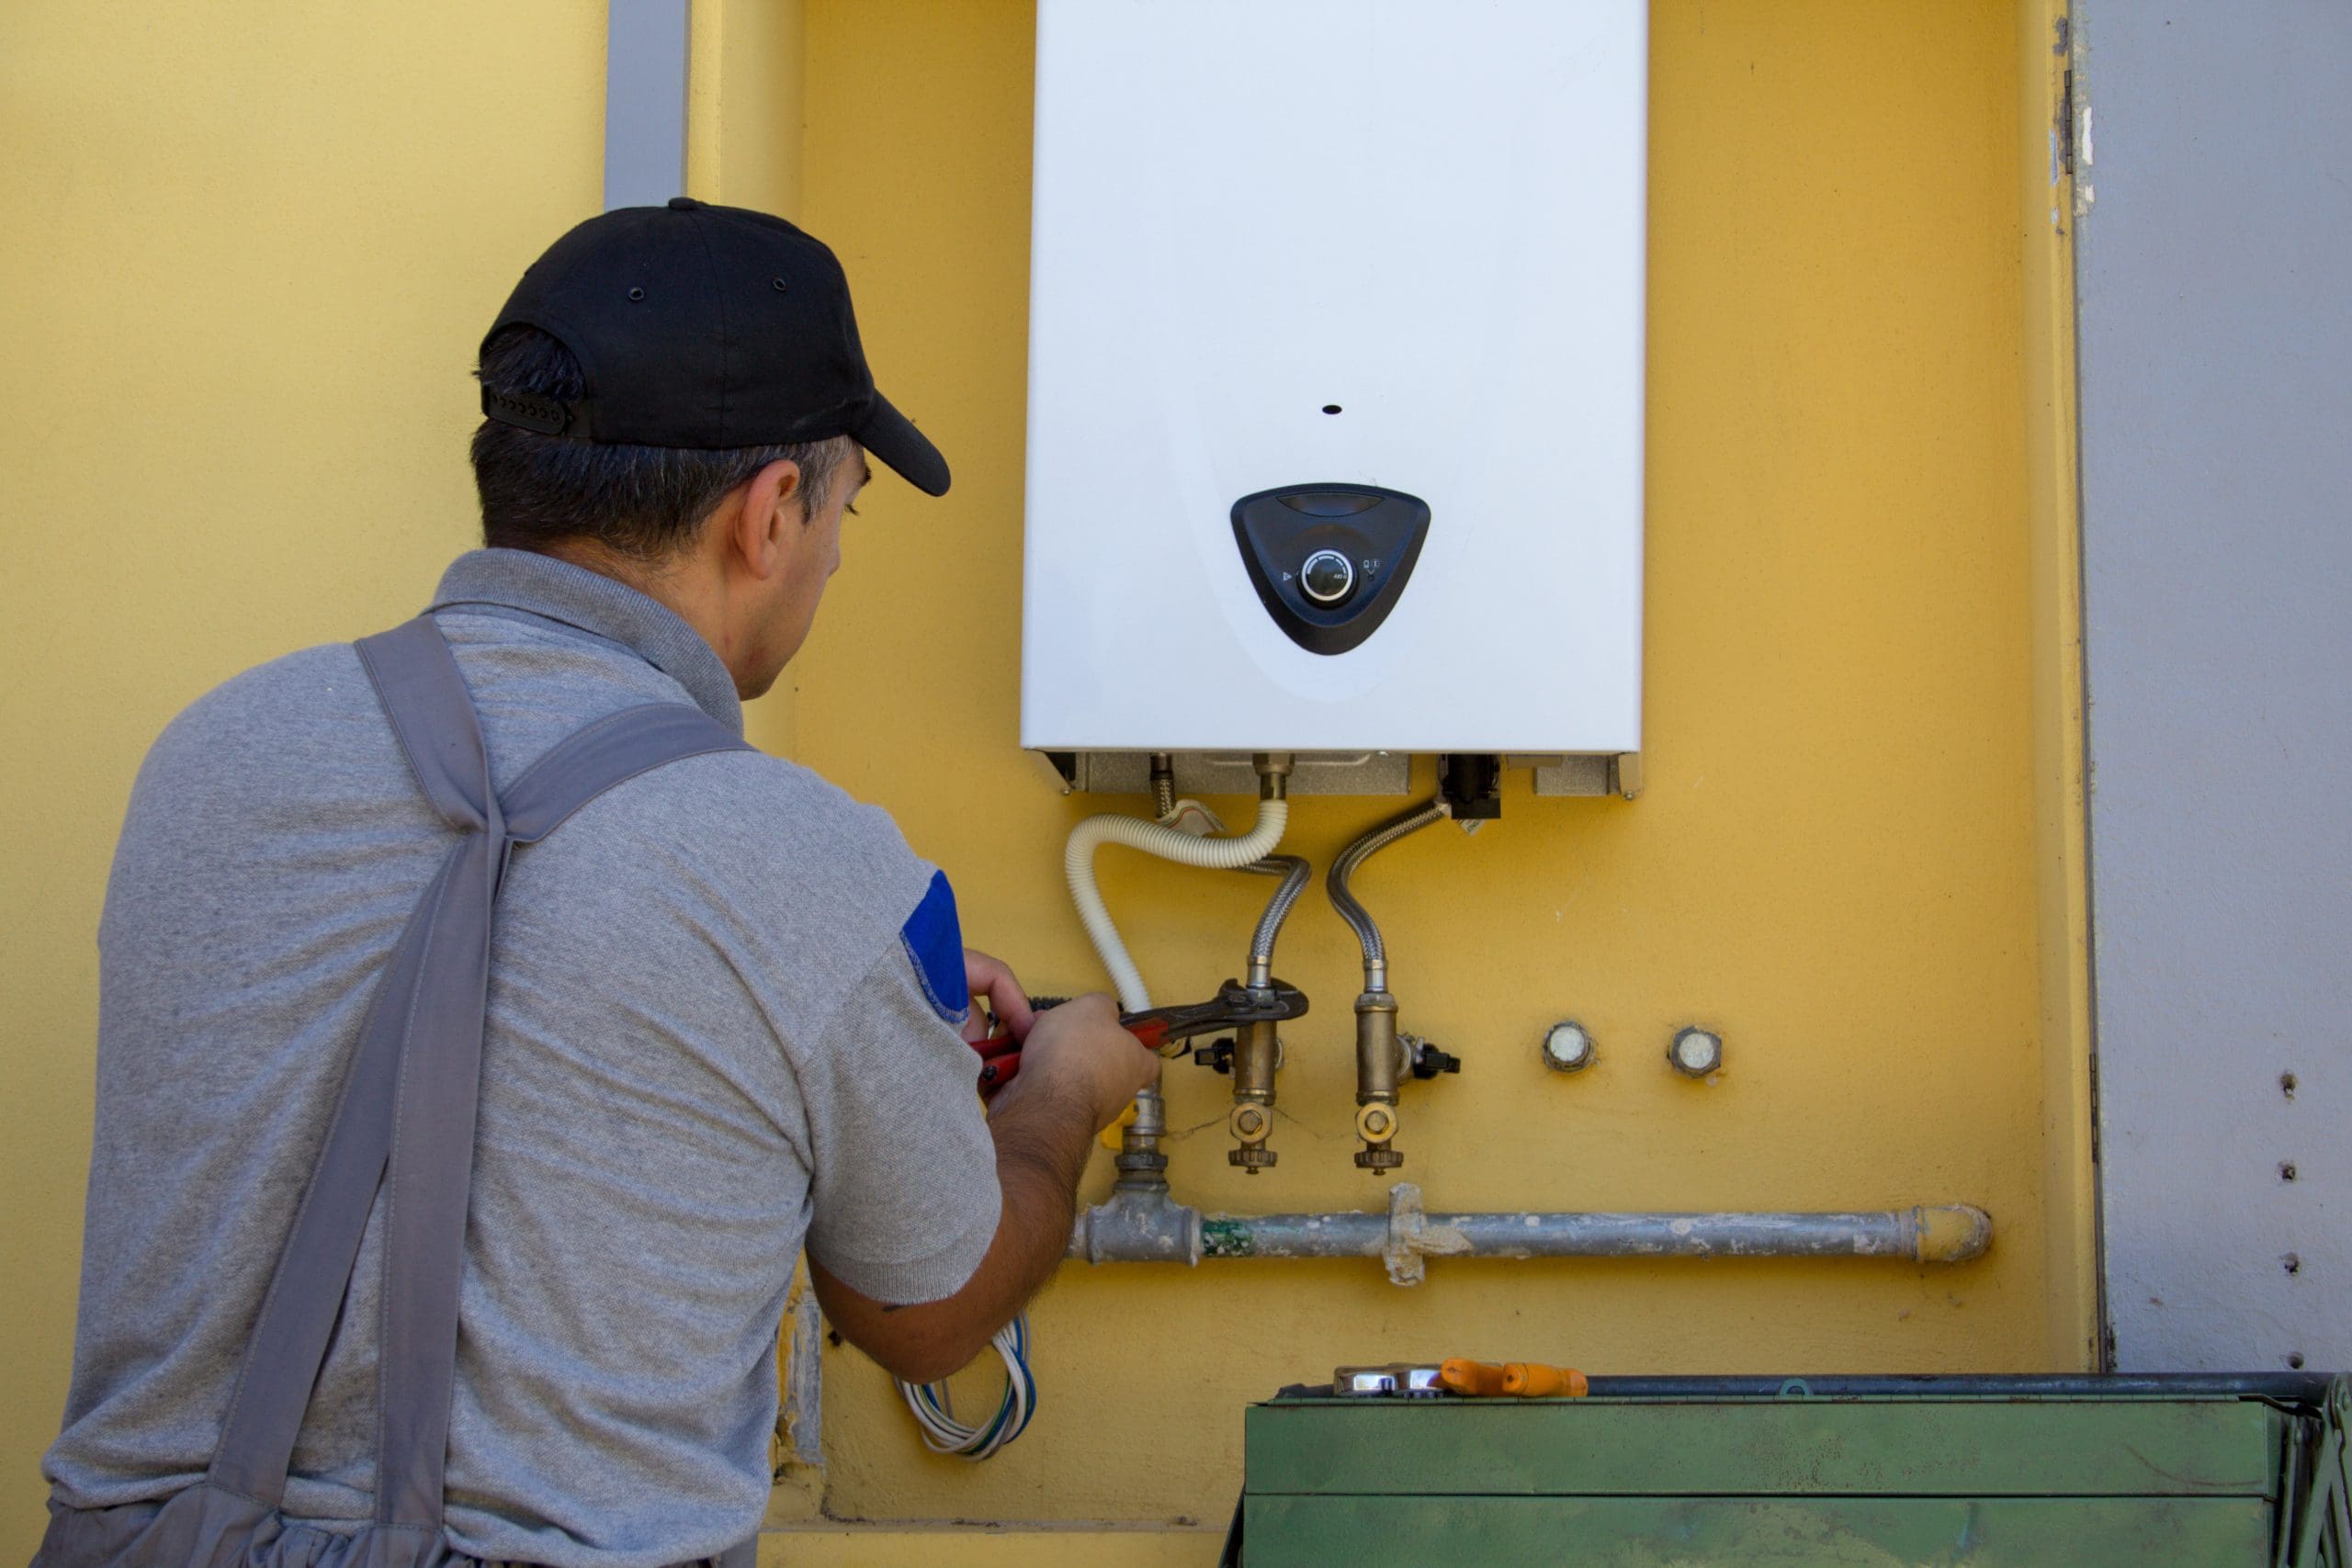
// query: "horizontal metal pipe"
[[1124, 1231], [1885, 1234]]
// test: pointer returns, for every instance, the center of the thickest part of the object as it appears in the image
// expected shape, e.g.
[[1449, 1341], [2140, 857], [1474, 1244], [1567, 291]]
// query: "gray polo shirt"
[[721, 1024]]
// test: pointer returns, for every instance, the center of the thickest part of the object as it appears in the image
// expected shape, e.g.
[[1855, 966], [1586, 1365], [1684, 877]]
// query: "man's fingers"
[[1093, 1007], [994, 979], [1139, 1061], [1081, 1049]]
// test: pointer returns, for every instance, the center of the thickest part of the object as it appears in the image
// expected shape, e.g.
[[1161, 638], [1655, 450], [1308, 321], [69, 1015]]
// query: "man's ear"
[[771, 513]]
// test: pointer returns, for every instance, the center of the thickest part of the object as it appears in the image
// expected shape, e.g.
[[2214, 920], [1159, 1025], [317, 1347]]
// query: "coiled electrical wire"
[[943, 1434]]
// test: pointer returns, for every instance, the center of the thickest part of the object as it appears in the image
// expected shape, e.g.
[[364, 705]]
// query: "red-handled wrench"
[[1160, 1029]]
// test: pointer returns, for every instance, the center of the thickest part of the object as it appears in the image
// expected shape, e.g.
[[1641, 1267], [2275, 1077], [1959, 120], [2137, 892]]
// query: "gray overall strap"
[[404, 1116]]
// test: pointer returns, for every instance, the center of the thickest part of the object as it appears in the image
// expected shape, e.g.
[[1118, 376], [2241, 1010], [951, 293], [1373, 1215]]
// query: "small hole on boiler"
[[1330, 408]]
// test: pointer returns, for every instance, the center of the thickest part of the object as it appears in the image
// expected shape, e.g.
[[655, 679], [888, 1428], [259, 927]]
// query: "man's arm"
[[1079, 1070]]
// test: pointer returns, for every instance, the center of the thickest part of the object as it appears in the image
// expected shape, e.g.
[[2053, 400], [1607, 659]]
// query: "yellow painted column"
[[745, 100], [2052, 521], [249, 252]]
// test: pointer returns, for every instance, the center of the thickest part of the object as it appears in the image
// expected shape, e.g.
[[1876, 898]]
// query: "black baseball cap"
[[706, 326]]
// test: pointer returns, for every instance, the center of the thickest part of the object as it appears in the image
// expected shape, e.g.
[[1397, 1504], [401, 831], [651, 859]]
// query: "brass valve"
[[1378, 1061], [1257, 1053]]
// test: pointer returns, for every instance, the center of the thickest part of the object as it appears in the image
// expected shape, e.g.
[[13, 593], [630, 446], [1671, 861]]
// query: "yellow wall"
[[253, 244], [249, 250], [1851, 852]]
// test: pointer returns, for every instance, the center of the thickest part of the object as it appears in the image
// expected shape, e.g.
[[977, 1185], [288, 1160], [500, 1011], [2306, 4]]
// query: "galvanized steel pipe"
[[1121, 1231]]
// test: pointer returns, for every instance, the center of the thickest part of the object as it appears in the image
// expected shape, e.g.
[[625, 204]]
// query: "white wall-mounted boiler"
[[1335, 377]]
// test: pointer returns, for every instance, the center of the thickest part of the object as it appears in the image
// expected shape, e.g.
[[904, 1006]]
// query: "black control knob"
[[1328, 578], [1328, 559]]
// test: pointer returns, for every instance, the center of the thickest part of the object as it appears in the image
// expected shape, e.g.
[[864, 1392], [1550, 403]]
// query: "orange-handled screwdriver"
[[1516, 1380], [1534, 1380], [1479, 1380]]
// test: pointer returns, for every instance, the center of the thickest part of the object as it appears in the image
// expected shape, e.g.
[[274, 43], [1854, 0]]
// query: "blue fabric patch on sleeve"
[[934, 942]]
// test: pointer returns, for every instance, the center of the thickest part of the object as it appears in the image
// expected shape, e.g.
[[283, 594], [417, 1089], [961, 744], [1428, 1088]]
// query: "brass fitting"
[[1256, 1054], [1376, 1073], [1139, 1162]]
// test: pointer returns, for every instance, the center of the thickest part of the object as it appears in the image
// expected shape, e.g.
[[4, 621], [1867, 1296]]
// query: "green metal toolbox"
[[1645, 1471]]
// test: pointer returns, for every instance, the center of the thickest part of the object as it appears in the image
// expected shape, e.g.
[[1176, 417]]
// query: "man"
[[721, 1020]]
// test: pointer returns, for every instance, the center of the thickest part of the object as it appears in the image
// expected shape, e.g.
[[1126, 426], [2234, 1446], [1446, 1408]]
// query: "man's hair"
[[641, 502]]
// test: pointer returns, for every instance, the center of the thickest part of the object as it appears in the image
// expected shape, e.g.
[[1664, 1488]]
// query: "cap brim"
[[892, 436]]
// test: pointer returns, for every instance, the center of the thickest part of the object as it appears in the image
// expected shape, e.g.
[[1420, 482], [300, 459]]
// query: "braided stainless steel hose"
[[1163, 786], [1375, 955], [1294, 873]]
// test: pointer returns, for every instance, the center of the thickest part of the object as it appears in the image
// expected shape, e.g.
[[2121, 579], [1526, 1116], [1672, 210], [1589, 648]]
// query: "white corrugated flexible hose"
[[1168, 843]]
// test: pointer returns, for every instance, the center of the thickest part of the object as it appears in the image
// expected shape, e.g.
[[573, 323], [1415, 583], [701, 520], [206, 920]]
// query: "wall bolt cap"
[[1569, 1047], [1695, 1053]]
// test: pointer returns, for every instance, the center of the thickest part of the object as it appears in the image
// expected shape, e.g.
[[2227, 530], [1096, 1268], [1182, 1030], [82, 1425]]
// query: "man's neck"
[[673, 582]]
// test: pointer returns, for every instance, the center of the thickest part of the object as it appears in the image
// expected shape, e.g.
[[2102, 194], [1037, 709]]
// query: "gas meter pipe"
[[1150, 1228]]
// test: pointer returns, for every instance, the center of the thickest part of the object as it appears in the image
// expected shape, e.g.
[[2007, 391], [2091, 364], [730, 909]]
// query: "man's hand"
[[1079, 1069], [1078, 1051], [991, 980]]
